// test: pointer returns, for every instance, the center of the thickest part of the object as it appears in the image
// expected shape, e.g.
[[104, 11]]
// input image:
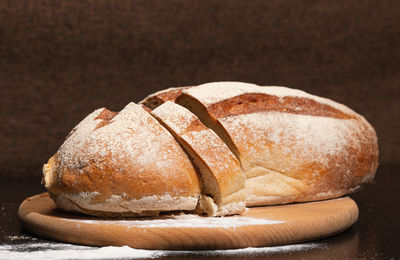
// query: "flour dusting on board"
[[57, 251], [185, 221]]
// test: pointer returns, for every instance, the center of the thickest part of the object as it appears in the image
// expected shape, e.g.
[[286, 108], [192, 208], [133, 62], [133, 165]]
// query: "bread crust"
[[126, 154]]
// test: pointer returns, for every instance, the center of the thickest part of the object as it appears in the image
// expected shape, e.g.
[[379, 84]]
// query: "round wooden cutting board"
[[258, 226]]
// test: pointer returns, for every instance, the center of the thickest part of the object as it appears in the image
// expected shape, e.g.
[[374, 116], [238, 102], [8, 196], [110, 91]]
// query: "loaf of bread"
[[214, 149]]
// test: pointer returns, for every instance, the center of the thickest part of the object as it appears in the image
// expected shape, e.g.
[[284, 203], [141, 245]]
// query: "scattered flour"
[[186, 221], [20, 238], [58, 251]]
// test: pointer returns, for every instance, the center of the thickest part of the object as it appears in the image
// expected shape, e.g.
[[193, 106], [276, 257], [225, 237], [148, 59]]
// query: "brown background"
[[59, 60]]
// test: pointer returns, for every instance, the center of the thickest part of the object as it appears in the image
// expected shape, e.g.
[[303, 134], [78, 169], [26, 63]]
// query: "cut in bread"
[[223, 181], [292, 146], [121, 164], [154, 100]]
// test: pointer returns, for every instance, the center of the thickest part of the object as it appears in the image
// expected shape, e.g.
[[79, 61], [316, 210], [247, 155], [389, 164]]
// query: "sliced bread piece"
[[223, 181]]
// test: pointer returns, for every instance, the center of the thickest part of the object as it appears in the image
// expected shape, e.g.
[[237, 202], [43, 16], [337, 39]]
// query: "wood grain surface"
[[258, 226]]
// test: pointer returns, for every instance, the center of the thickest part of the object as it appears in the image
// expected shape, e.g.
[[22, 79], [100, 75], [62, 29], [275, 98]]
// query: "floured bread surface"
[[300, 157], [293, 146], [124, 163], [223, 181]]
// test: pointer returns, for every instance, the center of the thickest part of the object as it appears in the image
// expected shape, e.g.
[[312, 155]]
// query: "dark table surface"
[[374, 236]]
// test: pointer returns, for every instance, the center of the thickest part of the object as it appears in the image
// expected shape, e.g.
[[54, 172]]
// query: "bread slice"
[[292, 146], [223, 181], [121, 164]]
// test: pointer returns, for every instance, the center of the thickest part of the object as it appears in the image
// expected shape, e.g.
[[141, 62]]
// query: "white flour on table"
[[184, 221], [57, 251]]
